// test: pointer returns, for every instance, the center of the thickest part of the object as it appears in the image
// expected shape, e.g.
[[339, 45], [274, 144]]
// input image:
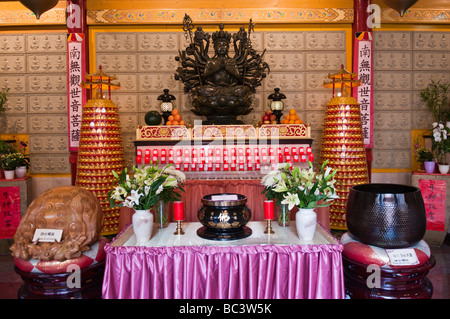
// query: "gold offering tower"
[[100, 150], [343, 143]]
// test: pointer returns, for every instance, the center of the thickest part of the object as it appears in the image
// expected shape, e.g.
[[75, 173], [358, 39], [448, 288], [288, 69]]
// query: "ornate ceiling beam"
[[267, 15]]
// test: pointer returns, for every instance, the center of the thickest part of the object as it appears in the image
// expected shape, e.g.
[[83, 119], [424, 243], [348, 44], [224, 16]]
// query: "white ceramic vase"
[[443, 169], [9, 174], [142, 221], [21, 171], [305, 221]]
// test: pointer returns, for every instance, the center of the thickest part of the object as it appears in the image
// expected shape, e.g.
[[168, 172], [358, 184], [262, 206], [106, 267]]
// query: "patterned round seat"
[[370, 274], [78, 278]]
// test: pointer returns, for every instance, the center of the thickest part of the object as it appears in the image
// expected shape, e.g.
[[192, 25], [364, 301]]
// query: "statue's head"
[[221, 47], [221, 40]]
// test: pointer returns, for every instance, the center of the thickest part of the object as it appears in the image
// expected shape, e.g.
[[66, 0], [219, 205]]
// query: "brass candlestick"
[[269, 229], [179, 230]]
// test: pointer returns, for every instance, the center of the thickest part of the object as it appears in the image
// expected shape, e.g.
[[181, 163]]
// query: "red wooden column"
[[77, 65], [363, 66]]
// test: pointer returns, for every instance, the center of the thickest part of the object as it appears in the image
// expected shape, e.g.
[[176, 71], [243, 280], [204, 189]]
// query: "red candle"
[[268, 209], [178, 210]]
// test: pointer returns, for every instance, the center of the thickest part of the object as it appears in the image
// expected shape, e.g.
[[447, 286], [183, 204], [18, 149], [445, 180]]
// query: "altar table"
[[195, 189], [261, 266]]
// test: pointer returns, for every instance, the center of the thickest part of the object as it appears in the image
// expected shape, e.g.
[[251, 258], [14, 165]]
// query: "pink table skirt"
[[217, 272]]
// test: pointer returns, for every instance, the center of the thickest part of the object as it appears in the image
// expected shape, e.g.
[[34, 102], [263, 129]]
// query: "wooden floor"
[[439, 275]]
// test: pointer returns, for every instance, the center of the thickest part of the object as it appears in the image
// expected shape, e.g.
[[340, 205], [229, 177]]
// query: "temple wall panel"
[[405, 61], [300, 60], [34, 68], [138, 41]]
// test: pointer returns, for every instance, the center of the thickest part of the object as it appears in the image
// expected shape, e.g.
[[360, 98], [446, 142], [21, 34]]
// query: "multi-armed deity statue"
[[221, 87]]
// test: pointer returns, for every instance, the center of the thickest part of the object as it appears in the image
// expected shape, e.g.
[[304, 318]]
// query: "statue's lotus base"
[[222, 120]]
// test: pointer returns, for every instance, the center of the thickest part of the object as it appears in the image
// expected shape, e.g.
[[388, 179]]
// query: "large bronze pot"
[[386, 215], [224, 219]]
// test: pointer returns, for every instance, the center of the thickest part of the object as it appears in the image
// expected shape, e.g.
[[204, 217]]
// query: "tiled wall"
[[34, 67], [404, 64], [145, 64]]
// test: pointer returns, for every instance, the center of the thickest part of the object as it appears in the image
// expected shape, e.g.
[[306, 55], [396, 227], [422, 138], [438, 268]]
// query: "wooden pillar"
[[77, 66], [363, 65]]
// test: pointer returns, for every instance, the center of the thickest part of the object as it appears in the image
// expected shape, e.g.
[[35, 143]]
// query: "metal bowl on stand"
[[224, 217], [386, 215]]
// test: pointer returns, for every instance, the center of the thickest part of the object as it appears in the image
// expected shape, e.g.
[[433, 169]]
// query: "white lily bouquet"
[[303, 188], [147, 186], [441, 141]]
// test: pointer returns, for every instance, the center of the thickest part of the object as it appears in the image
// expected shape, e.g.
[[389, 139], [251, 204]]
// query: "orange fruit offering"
[[171, 118], [182, 122], [169, 123], [177, 117], [175, 123], [175, 112], [292, 112]]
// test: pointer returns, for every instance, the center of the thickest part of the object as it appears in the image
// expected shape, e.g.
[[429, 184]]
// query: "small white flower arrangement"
[[143, 189], [303, 188], [440, 142]]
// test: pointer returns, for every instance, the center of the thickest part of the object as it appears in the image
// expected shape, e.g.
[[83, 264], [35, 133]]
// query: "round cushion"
[[369, 255], [94, 255]]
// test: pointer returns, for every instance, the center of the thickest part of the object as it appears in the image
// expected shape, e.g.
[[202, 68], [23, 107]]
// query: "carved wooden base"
[[400, 283], [54, 286]]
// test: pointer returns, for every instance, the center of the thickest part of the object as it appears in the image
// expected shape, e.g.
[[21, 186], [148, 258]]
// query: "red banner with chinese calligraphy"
[[363, 66], [76, 65], [10, 211], [433, 193]]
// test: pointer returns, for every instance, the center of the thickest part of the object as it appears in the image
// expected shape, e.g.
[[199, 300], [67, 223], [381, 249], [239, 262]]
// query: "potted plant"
[[435, 95], [424, 156], [441, 144], [305, 189], [5, 147], [9, 163], [142, 192], [23, 161]]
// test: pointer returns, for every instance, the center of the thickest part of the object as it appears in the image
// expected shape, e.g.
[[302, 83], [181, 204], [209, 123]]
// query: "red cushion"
[[95, 254], [369, 255]]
